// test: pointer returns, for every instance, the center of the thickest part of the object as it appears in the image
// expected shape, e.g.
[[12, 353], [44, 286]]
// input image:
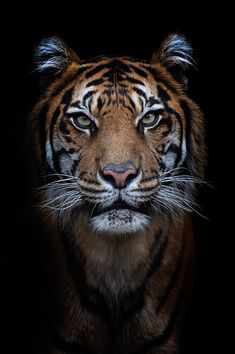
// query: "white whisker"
[[176, 192], [62, 194]]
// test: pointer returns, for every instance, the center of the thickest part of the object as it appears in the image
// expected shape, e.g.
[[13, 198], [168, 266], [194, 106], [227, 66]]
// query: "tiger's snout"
[[119, 175]]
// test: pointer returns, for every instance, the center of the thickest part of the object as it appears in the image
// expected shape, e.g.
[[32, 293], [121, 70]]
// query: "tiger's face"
[[114, 137]]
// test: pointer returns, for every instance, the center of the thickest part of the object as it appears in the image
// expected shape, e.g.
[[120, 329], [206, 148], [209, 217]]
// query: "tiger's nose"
[[119, 175]]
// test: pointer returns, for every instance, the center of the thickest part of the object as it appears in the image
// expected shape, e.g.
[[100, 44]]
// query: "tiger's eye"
[[149, 119], [82, 121]]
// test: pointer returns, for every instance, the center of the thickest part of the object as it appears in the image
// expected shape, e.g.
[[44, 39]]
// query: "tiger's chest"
[[116, 304]]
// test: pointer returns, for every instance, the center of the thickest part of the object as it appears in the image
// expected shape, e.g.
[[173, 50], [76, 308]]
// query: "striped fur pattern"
[[120, 150]]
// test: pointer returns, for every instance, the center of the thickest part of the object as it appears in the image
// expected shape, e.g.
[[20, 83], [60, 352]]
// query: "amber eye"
[[150, 119]]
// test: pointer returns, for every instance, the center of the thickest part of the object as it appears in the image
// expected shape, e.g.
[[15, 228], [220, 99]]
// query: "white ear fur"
[[51, 54], [175, 50]]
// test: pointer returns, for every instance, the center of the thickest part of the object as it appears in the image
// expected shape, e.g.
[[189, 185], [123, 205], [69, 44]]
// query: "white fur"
[[51, 54], [119, 222], [49, 154], [178, 50]]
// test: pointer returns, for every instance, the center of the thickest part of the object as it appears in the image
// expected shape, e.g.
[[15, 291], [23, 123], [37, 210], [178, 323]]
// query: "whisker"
[[62, 194], [176, 192]]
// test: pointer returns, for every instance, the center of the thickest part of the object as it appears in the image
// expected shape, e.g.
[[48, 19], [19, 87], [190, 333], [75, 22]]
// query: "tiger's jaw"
[[119, 218]]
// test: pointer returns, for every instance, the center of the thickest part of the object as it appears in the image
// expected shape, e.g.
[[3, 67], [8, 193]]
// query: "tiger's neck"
[[110, 263], [117, 264]]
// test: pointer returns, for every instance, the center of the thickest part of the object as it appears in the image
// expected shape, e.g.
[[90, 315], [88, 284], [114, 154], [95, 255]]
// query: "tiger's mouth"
[[120, 206], [119, 218]]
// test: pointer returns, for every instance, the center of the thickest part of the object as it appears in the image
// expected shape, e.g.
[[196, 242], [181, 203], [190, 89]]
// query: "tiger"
[[118, 151]]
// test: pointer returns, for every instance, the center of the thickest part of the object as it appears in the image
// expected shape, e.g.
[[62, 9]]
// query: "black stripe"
[[52, 125], [130, 303], [75, 164], [97, 69], [82, 69], [77, 104], [174, 277], [139, 71], [63, 128], [122, 101], [123, 67], [158, 258], [132, 80], [64, 151], [187, 114], [140, 93], [179, 154], [163, 95], [100, 103], [118, 66], [87, 96], [135, 300], [166, 122], [67, 97], [176, 114], [173, 148], [151, 101], [132, 103], [69, 139], [90, 297], [136, 61], [113, 76], [166, 333], [95, 82]]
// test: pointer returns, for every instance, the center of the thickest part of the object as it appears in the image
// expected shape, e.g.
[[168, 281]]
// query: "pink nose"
[[119, 175]]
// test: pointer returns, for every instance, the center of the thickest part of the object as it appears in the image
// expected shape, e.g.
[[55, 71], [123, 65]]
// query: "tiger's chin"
[[119, 221]]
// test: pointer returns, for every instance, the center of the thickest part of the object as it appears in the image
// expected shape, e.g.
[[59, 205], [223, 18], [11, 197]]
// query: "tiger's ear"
[[52, 57], [175, 53]]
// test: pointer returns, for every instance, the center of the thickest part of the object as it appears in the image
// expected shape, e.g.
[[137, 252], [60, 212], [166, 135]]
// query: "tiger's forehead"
[[113, 82]]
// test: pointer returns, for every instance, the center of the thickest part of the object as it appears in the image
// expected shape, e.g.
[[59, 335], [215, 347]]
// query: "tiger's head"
[[118, 141]]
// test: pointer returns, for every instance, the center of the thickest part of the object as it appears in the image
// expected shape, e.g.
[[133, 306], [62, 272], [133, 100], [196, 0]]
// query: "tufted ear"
[[175, 53], [52, 57]]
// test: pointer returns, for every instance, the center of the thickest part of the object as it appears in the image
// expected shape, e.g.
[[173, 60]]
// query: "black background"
[[136, 32]]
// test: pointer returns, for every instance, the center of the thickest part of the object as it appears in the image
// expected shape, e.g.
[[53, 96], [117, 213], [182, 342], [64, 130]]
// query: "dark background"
[[137, 33]]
